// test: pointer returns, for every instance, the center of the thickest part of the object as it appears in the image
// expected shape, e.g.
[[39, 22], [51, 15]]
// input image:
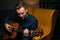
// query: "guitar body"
[[14, 25]]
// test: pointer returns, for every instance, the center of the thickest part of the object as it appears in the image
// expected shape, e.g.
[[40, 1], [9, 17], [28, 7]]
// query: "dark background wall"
[[52, 4], [9, 4]]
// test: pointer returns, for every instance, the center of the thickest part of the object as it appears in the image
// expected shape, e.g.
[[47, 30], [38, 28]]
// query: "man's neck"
[[24, 17]]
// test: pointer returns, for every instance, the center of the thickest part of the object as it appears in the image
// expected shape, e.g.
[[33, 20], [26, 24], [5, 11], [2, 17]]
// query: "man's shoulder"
[[10, 16], [32, 18]]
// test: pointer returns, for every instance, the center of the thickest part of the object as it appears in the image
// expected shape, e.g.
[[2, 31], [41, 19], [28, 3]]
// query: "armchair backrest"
[[44, 17]]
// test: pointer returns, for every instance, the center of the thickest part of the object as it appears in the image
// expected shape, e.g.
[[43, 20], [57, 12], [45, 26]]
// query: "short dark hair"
[[19, 5]]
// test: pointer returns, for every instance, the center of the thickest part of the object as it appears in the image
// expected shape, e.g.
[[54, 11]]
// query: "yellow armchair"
[[45, 21]]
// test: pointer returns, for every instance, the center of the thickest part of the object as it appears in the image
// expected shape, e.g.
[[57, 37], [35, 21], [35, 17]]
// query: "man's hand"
[[8, 27], [26, 32]]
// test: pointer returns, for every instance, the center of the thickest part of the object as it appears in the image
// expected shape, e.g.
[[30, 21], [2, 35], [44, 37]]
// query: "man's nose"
[[21, 15]]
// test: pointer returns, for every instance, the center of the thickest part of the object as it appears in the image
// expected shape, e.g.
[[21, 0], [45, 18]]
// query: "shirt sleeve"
[[6, 19], [34, 25]]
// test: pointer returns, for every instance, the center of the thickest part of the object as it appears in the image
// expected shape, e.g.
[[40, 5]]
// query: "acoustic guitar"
[[15, 29]]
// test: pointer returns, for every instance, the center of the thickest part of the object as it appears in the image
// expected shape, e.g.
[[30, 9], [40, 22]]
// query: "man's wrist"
[[31, 31]]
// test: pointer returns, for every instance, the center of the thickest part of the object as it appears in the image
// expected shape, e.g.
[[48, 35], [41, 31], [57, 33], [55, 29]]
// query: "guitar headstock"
[[38, 32]]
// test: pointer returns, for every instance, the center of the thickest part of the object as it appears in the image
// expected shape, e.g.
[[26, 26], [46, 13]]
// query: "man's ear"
[[26, 10]]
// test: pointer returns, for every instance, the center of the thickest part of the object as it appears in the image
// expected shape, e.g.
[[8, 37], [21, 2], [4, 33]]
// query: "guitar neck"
[[35, 32], [17, 30]]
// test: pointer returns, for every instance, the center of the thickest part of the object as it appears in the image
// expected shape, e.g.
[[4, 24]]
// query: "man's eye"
[[21, 13]]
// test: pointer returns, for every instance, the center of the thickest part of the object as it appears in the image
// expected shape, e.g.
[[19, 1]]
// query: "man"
[[27, 21]]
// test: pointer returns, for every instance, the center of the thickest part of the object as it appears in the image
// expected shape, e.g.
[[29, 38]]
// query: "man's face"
[[21, 12]]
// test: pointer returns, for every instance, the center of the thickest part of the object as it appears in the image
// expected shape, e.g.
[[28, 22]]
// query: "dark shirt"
[[29, 22]]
